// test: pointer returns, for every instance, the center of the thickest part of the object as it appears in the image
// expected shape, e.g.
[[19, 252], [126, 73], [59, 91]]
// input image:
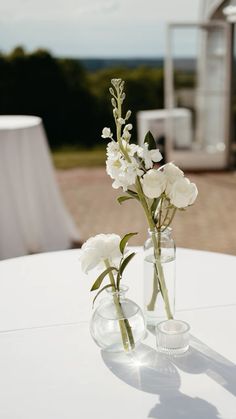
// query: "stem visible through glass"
[[125, 328]]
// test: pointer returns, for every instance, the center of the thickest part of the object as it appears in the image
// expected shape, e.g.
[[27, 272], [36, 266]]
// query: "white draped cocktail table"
[[51, 368], [33, 217]]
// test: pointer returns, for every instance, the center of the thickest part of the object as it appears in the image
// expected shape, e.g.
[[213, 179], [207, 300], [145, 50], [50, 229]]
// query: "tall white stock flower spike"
[[106, 133], [154, 183], [99, 248], [149, 156], [183, 193]]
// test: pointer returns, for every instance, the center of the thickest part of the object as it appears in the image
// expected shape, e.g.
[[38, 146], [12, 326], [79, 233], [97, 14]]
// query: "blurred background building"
[[200, 119]]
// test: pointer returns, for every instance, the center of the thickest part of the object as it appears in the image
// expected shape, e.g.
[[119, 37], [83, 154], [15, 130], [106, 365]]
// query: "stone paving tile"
[[209, 225]]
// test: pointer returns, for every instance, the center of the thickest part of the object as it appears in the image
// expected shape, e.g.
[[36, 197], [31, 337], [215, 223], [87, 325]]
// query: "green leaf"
[[133, 194], [121, 199], [125, 263], [125, 240], [101, 290], [101, 277], [149, 139]]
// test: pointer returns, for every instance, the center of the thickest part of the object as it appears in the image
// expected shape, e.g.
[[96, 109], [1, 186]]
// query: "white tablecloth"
[[51, 369], [33, 217]]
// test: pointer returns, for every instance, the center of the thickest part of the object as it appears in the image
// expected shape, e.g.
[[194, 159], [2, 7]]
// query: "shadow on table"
[[202, 359], [147, 370]]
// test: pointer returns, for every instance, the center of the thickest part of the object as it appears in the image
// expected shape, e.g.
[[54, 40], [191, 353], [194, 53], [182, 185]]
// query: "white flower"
[[149, 156], [125, 175], [183, 193], [172, 173], [113, 150], [98, 249], [154, 183], [122, 171], [130, 148], [106, 133], [113, 167]]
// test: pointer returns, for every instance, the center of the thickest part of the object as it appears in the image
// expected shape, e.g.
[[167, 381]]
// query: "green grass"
[[69, 158]]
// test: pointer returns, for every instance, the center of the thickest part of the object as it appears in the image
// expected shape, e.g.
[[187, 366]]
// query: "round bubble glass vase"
[[159, 276], [118, 323]]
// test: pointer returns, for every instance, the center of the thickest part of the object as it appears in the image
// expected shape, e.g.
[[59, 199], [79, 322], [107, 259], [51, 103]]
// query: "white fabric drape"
[[33, 217]]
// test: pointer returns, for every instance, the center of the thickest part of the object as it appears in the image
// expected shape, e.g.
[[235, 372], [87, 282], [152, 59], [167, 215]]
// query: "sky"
[[93, 28]]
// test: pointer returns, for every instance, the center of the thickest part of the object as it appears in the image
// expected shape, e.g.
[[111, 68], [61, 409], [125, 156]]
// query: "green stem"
[[166, 217], [171, 219], [159, 277], [160, 214], [125, 328], [155, 291]]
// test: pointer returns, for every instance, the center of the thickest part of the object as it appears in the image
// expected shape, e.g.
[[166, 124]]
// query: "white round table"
[[33, 217], [51, 368]]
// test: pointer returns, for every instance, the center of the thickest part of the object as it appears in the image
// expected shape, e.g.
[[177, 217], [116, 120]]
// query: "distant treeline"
[[73, 102]]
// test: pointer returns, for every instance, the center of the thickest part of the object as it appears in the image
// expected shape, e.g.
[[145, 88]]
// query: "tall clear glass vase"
[[159, 276]]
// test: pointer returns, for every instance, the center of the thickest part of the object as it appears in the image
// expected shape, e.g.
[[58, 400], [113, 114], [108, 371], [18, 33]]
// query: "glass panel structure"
[[198, 82]]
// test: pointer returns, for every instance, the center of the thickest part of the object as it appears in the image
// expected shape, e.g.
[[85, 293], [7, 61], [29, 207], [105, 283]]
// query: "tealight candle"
[[172, 337]]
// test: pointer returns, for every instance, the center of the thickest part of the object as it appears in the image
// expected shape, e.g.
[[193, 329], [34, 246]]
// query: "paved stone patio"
[[209, 225]]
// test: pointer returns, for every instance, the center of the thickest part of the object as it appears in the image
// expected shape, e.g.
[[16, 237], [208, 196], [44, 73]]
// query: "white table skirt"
[[33, 217], [50, 367]]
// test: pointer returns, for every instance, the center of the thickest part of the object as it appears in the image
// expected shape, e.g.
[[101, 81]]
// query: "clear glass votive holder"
[[172, 337]]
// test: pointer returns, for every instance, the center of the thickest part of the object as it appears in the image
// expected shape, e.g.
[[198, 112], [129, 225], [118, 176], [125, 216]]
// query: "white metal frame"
[[200, 159]]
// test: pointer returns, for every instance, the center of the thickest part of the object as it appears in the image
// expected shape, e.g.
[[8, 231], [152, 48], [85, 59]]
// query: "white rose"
[[149, 156], [154, 183], [98, 249], [183, 193], [106, 133], [172, 173]]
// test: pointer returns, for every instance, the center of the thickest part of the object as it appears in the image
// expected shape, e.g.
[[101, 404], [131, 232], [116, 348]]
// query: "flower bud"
[[106, 133], [111, 91], [128, 114], [116, 82]]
